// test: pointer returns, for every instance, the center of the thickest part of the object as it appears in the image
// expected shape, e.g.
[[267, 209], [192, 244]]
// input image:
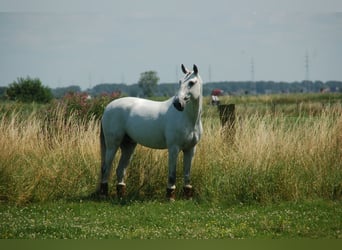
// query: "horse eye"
[[191, 83]]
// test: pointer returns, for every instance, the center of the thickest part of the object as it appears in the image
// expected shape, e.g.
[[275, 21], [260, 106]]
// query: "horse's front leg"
[[187, 161], [171, 185]]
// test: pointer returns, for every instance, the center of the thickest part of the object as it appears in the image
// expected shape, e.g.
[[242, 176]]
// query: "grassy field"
[[285, 155], [179, 220]]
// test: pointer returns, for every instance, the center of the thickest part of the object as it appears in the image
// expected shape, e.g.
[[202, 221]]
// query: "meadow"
[[285, 154]]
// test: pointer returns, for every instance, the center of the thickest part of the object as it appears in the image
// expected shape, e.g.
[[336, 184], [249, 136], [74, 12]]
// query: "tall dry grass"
[[42, 159], [274, 158], [271, 158]]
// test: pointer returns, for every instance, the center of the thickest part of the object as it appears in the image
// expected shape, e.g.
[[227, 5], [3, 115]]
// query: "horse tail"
[[103, 187], [103, 147]]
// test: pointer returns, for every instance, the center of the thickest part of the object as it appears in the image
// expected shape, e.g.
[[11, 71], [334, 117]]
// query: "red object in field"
[[217, 92]]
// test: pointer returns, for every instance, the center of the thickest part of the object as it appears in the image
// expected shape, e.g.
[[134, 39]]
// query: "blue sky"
[[88, 42]]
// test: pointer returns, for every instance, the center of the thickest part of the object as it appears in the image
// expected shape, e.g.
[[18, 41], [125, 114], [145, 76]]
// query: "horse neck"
[[193, 110]]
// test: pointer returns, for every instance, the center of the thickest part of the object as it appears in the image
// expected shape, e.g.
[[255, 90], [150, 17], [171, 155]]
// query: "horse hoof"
[[188, 192], [121, 190], [103, 192], [171, 194]]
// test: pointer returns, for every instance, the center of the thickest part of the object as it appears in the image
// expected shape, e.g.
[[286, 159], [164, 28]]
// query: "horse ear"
[[195, 69], [184, 69]]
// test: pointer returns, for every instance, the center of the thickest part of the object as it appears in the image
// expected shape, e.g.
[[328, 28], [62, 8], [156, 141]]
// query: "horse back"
[[142, 120]]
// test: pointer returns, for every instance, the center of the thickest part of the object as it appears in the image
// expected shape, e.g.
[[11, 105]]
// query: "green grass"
[[308, 104], [284, 98], [161, 220]]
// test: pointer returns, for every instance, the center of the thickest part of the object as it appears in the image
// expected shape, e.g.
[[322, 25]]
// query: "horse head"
[[190, 88]]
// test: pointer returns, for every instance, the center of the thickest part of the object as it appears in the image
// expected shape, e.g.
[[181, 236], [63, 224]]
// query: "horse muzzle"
[[178, 104]]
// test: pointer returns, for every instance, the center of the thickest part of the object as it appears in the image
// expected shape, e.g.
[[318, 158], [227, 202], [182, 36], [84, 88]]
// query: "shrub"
[[28, 90], [82, 107]]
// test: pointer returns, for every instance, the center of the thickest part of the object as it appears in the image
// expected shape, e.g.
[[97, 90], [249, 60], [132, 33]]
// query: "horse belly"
[[147, 133]]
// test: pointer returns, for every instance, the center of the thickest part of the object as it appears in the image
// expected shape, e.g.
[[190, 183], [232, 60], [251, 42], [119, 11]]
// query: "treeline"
[[165, 89], [271, 87], [228, 87]]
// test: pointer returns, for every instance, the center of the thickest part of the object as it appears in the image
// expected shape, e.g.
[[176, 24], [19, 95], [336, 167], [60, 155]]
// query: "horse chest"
[[191, 137]]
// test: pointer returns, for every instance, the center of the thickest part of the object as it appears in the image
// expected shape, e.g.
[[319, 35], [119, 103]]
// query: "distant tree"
[[62, 91], [28, 90], [2, 92], [148, 82]]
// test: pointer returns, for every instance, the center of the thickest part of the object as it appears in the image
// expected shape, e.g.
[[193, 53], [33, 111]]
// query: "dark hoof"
[[102, 192], [171, 194], [188, 192], [121, 190], [103, 189]]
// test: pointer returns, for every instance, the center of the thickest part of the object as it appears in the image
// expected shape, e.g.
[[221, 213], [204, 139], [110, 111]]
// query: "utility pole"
[[252, 69], [176, 71], [307, 70], [122, 78], [307, 78], [90, 80], [209, 73], [253, 84]]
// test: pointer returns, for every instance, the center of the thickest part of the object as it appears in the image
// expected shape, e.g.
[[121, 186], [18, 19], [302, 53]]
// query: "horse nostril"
[[177, 104]]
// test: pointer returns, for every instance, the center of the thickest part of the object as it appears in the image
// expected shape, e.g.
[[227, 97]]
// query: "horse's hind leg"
[[106, 167], [127, 148]]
